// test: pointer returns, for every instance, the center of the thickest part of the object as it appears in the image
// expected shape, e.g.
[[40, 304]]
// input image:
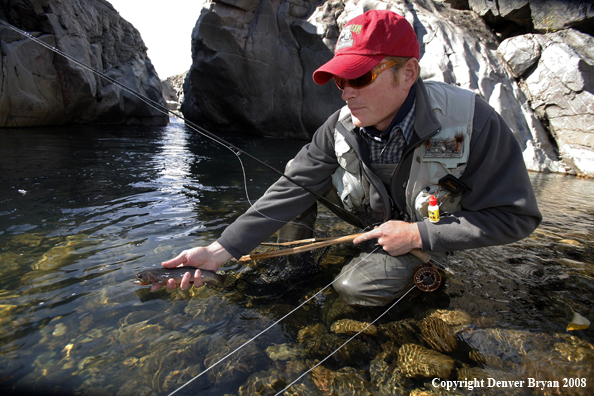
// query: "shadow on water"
[[83, 209]]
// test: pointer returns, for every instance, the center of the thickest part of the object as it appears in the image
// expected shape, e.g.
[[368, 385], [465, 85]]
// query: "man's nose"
[[348, 93]]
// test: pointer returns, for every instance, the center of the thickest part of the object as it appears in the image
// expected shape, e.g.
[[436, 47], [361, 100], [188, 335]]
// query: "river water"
[[83, 209]]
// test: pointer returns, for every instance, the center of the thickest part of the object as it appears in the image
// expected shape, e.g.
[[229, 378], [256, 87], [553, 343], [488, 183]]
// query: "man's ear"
[[411, 71]]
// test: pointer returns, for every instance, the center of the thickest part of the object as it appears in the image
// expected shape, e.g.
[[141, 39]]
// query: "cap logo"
[[346, 36]]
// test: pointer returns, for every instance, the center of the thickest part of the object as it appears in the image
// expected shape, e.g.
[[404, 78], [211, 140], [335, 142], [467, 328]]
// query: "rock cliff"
[[253, 60], [39, 87]]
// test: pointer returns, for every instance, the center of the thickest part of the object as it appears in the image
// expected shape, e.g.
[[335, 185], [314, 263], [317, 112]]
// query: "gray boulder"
[[540, 15], [173, 91], [557, 76], [40, 87], [249, 63]]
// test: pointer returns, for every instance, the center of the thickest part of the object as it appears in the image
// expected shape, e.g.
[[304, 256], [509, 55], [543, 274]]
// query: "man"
[[382, 156]]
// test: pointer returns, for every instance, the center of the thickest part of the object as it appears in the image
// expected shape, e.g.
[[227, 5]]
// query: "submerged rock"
[[415, 361], [264, 383], [452, 317], [438, 334], [283, 352], [400, 333], [563, 358], [352, 327], [239, 366], [169, 367], [536, 355], [318, 343], [345, 381], [388, 378]]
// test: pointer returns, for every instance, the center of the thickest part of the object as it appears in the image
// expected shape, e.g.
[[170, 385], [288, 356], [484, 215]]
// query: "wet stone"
[[509, 345], [433, 392], [389, 351], [335, 308], [263, 383], [351, 327], [296, 366], [490, 361], [283, 352], [237, 368], [167, 367], [312, 331], [318, 343], [301, 389], [60, 330], [212, 309], [438, 334], [415, 361], [135, 387], [452, 317], [131, 362], [60, 255], [401, 332], [174, 322], [388, 379], [137, 333], [346, 381], [136, 317], [566, 358]]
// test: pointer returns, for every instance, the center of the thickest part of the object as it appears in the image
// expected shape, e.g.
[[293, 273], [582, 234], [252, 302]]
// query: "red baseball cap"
[[364, 41]]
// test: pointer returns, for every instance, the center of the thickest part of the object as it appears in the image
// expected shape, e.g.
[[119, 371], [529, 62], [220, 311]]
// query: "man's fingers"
[[156, 287], [198, 279], [180, 259], [171, 284], [373, 234], [185, 283]]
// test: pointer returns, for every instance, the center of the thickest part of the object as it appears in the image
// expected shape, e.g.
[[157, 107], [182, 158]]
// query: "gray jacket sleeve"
[[283, 201], [501, 207]]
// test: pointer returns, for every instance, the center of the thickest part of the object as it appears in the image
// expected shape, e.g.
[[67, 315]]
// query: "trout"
[[162, 275]]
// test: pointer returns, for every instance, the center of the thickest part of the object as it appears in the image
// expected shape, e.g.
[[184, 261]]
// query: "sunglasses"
[[365, 79]]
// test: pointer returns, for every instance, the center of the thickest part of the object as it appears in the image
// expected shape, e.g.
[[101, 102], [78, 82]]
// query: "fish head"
[[146, 278]]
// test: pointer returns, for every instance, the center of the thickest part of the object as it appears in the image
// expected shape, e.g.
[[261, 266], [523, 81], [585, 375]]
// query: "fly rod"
[[418, 253]]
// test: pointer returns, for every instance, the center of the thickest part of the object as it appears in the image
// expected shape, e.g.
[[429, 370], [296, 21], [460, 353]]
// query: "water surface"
[[82, 209]]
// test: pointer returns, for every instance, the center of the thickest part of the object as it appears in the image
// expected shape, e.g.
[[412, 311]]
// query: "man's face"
[[377, 104]]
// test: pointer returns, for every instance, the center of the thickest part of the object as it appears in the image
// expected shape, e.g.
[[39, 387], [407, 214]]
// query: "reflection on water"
[[82, 209]]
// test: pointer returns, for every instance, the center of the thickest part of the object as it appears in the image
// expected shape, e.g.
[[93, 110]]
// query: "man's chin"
[[357, 122]]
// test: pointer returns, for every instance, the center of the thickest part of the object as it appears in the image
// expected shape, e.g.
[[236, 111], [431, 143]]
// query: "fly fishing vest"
[[445, 152]]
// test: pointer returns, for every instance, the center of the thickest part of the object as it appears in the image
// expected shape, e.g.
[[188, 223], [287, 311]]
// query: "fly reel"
[[426, 277]]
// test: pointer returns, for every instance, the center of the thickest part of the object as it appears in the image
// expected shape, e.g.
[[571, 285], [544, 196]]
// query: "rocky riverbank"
[[532, 60], [39, 87], [507, 51]]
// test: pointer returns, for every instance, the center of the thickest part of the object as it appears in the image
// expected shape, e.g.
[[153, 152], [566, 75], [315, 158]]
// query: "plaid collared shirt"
[[388, 147]]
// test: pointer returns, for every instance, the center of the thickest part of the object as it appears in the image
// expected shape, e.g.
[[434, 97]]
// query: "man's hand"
[[210, 258], [395, 237]]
